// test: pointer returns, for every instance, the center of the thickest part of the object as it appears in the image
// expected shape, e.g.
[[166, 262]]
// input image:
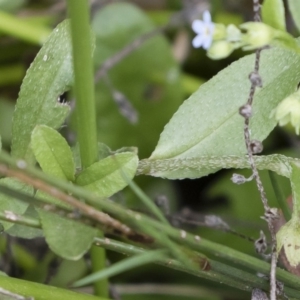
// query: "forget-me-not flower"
[[204, 30]]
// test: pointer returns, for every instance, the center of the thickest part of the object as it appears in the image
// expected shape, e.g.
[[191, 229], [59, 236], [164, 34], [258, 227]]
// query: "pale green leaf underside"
[[273, 14], [52, 153], [49, 76], [288, 236], [67, 238], [106, 177], [201, 166], [9, 204], [294, 7], [208, 123]]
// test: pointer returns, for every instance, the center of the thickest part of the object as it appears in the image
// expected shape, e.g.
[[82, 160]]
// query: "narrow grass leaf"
[[146, 200], [123, 266]]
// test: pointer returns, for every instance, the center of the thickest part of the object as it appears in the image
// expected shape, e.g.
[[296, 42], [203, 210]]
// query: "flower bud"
[[256, 146], [238, 178], [220, 49], [257, 35], [246, 111], [288, 110], [255, 79], [219, 32], [233, 33]]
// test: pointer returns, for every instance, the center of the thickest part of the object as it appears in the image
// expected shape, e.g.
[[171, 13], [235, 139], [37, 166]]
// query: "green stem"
[[296, 192], [122, 266], [9, 216], [26, 31], [84, 82], [85, 107], [235, 278], [280, 196], [40, 291], [129, 217], [209, 269], [147, 201]]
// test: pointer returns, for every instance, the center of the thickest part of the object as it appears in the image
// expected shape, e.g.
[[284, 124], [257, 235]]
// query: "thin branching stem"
[[269, 213]]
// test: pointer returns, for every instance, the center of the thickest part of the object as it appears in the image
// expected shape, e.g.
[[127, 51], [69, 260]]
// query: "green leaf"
[[288, 237], [122, 266], [273, 14], [9, 204], [23, 231], [149, 78], [208, 123], [294, 8], [196, 167], [53, 153], [65, 237], [295, 175], [49, 76], [281, 198], [105, 176]]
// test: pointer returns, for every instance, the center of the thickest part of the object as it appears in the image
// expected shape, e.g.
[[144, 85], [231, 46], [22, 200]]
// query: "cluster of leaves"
[[203, 136]]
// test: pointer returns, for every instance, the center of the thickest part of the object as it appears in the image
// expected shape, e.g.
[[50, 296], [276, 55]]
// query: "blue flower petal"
[[206, 17], [198, 41], [198, 26]]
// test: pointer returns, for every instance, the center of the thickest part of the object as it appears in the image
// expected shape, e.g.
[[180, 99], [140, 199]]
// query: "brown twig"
[[83, 208], [251, 145]]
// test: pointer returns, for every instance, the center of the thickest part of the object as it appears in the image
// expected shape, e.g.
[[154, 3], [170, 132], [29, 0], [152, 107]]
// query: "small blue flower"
[[204, 30]]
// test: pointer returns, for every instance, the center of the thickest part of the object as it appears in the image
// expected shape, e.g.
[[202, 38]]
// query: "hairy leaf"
[[49, 76], [106, 177], [208, 123], [67, 238], [52, 152], [200, 166]]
